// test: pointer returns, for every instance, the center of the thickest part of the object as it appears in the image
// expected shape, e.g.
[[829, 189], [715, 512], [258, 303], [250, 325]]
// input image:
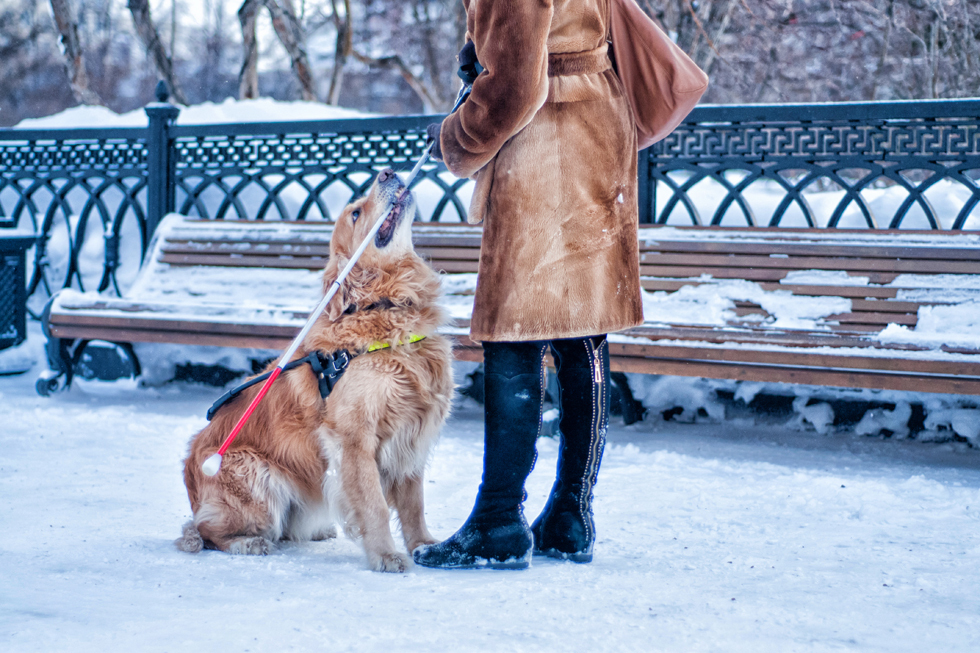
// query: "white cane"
[[213, 463]]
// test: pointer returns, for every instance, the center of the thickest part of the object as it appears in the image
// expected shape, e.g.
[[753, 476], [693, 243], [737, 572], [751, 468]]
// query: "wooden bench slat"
[[878, 320], [810, 376], [710, 262], [796, 358], [252, 249], [188, 337], [311, 259], [750, 274], [884, 306], [455, 266], [654, 284], [448, 253], [822, 250], [746, 334], [229, 241], [163, 323], [298, 262], [863, 306]]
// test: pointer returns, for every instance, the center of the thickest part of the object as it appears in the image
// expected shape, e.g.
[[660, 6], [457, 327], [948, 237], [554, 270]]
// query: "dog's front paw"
[[251, 546], [393, 562]]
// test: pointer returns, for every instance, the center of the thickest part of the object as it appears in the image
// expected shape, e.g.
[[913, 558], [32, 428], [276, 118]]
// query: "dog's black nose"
[[385, 175]]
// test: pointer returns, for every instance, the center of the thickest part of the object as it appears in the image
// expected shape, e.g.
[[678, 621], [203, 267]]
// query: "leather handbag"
[[662, 83]]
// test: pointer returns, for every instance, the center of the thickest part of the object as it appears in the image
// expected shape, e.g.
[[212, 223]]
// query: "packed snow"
[[206, 113], [713, 535]]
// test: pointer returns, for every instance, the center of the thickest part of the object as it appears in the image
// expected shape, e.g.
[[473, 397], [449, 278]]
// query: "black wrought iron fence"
[[891, 165], [93, 196]]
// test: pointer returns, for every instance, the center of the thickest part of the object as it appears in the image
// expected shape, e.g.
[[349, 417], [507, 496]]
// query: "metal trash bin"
[[13, 288]]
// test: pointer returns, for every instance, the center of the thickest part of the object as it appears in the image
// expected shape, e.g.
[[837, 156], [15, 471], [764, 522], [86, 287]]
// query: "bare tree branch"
[[429, 101]]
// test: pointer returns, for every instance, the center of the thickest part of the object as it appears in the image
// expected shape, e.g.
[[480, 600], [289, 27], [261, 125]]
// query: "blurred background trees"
[[397, 56]]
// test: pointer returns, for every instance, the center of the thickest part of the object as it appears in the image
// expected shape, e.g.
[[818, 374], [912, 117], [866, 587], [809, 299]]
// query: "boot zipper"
[[596, 363]]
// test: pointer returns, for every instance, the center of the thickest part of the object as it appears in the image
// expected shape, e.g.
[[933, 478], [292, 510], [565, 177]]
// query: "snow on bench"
[[893, 310], [882, 309]]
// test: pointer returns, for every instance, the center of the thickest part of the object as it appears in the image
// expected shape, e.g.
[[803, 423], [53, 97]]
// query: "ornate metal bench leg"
[[105, 361], [632, 410], [59, 355]]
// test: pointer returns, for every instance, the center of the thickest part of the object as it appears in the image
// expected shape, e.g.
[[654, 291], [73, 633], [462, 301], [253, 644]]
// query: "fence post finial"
[[160, 181], [162, 91]]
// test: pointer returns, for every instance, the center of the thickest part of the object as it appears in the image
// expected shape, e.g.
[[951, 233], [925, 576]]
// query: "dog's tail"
[[190, 540]]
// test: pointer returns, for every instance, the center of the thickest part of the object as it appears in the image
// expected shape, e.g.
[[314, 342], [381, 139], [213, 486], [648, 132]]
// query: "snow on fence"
[[92, 197]]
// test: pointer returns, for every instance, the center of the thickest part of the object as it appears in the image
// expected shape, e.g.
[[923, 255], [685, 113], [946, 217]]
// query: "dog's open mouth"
[[398, 211]]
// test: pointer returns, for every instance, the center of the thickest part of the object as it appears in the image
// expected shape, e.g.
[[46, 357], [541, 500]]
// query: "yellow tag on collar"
[[376, 345]]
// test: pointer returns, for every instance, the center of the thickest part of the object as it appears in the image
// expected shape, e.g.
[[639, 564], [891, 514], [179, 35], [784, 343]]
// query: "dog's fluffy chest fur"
[[404, 392]]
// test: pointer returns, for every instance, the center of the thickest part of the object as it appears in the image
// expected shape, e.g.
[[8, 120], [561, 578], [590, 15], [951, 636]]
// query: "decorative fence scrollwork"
[[303, 170], [93, 196], [80, 192], [864, 165]]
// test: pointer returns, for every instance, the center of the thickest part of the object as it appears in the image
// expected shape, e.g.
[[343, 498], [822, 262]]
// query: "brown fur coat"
[[549, 137]]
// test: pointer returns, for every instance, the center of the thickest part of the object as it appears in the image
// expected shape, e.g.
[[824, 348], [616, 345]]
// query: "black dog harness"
[[328, 368]]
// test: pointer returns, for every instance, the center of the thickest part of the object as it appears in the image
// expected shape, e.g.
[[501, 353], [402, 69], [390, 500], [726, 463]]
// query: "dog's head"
[[391, 245], [395, 235]]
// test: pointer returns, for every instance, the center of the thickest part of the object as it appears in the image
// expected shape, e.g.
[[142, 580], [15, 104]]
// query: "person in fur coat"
[[548, 135]]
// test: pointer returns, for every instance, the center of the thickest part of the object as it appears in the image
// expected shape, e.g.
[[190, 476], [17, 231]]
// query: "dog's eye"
[[355, 214]]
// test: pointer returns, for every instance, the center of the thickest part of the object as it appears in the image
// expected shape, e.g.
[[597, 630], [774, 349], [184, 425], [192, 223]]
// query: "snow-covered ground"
[[724, 536], [714, 534]]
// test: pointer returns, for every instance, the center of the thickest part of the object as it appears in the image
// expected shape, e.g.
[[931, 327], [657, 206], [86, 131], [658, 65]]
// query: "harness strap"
[[327, 367]]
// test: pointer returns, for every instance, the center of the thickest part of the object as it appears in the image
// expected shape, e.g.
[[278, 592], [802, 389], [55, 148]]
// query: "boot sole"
[[580, 558], [511, 563], [520, 564]]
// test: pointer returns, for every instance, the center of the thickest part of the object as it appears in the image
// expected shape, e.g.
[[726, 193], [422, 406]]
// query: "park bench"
[[813, 306], [246, 284]]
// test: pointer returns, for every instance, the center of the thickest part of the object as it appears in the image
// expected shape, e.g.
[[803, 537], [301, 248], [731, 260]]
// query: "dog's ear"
[[335, 308], [338, 304]]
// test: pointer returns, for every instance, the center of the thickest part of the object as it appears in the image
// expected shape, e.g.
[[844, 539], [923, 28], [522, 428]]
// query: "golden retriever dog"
[[303, 463]]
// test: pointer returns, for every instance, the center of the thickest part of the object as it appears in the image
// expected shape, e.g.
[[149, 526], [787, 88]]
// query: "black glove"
[[432, 136], [469, 66]]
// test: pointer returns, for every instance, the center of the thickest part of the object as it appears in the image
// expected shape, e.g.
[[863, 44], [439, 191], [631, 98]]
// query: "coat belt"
[[567, 64]]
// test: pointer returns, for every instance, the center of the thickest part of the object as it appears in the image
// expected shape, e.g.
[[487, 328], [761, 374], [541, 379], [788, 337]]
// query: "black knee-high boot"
[[565, 529], [495, 534]]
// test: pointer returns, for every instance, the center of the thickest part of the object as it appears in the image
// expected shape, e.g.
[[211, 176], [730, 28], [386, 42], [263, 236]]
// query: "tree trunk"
[[342, 50], [140, 10], [67, 23], [291, 34], [433, 62], [883, 59], [248, 77]]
